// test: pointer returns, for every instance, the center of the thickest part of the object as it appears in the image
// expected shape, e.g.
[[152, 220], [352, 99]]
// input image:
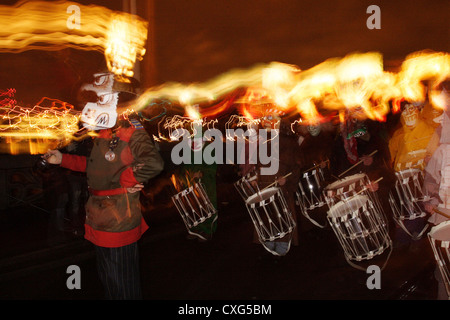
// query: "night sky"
[[197, 40]]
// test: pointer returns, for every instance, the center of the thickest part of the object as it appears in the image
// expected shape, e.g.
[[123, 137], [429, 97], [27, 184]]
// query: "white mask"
[[410, 115], [101, 115]]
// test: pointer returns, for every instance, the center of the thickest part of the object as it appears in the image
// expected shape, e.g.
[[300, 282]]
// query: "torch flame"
[[43, 25]]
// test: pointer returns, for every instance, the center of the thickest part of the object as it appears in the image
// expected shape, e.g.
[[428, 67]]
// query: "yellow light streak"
[[44, 25]]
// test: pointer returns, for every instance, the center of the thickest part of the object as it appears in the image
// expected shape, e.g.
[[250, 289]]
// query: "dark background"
[[196, 40]]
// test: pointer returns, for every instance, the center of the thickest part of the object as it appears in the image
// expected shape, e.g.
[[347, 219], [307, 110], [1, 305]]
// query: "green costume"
[[208, 180]]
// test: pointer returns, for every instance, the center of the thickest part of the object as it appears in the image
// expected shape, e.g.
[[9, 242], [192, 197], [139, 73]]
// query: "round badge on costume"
[[110, 155]]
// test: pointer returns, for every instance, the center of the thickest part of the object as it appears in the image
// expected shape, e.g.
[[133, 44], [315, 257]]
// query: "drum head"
[[441, 232], [346, 181], [263, 195], [342, 208]]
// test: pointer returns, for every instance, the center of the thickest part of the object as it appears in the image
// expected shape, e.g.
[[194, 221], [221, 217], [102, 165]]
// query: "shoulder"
[[131, 129], [136, 124]]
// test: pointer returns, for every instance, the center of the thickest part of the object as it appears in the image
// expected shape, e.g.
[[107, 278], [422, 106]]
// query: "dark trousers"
[[118, 269]]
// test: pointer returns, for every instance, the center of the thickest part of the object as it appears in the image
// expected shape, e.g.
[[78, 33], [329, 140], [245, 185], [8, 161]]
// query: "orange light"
[[44, 25]]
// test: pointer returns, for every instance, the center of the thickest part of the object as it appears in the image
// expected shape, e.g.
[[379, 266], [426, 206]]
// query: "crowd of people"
[[124, 157]]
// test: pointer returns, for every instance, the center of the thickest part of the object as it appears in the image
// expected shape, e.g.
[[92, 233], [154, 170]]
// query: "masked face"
[[271, 122], [410, 115], [101, 114], [358, 113], [314, 130]]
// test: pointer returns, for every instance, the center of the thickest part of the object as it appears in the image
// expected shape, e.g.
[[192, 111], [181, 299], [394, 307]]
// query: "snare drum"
[[309, 194], [194, 205], [361, 230], [247, 185], [345, 188], [407, 197], [271, 216], [439, 237]]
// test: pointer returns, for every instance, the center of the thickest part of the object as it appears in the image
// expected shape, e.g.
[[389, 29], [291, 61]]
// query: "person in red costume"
[[122, 159]]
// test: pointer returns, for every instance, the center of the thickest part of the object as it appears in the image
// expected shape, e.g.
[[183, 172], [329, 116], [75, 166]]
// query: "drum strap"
[[354, 265], [414, 237]]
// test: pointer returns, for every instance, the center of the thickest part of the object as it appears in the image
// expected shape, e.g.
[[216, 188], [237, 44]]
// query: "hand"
[[53, 156], [138, 166], [136, 188], [281, 181], [323, 164], [373, 186], [197, 174], [429, 207], [367, 160]]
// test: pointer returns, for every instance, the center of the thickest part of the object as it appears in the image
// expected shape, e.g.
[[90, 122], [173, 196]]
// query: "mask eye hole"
[[105, 98], [100, 80]]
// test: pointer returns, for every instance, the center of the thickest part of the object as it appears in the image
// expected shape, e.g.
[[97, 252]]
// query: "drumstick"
[[441, 213], [356, 164], [317, 165], [277, 181], [363, 189]]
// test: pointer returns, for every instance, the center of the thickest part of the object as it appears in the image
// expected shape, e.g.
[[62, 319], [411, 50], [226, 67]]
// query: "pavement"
[[230, 267]]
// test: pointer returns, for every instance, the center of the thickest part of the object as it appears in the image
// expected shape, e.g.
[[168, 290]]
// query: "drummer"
[[437, 182], [285, 151], [314, 140], [408, 149], [356, 141], [206, 173]]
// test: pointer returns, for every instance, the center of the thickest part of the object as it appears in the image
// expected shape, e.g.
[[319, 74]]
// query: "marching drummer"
[[361, 145], [408, 150], [285, 151], [206, 173], [437, 181]]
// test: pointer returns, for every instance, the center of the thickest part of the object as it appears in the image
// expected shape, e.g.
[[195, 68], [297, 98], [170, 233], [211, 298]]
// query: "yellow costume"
[[408, 145]]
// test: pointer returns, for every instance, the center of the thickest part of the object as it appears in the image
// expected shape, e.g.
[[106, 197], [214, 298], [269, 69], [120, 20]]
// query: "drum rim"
[[410, 171], [342, 203], [437, 228], [332, 185], [272, 191]]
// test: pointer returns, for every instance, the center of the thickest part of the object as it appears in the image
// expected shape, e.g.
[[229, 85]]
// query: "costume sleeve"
[[147, 164], [433, 144], [393, 146], [73, 162], [432, 176]]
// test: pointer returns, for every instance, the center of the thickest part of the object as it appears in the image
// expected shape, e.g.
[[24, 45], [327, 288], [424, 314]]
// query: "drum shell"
[[310, 187], [270, 214], [361, 230], [193, 205], [247, 185], [408, 195], [439, 238]]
